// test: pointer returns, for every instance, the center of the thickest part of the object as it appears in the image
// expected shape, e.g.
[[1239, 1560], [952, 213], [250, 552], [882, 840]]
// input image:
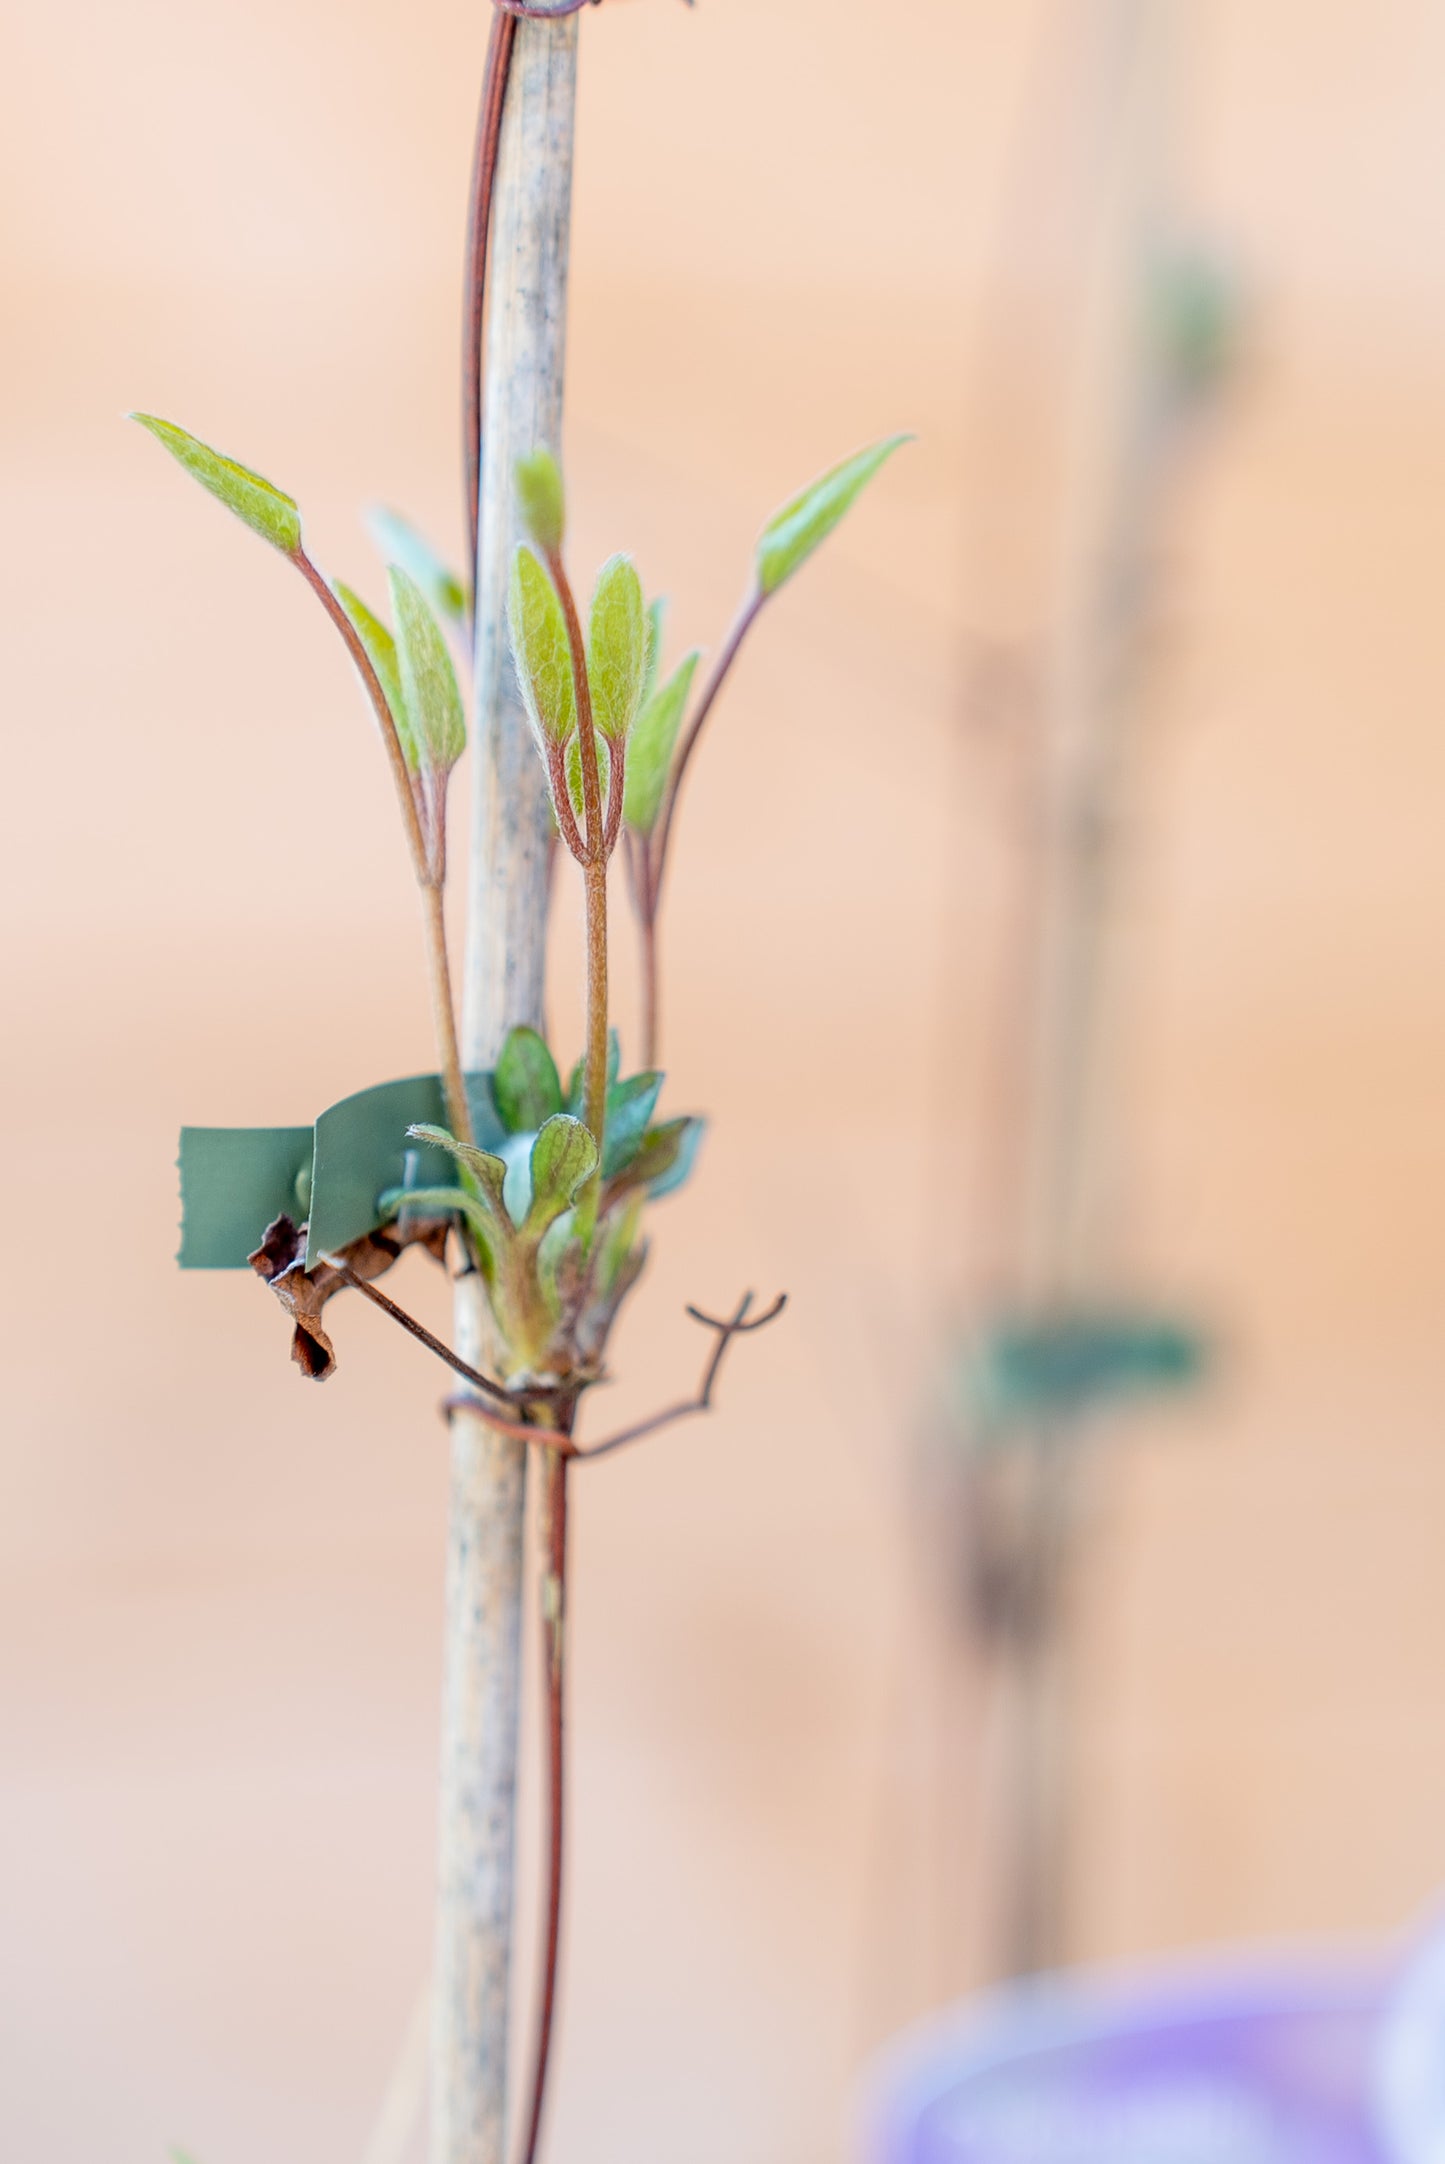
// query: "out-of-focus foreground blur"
[[221, 1586]]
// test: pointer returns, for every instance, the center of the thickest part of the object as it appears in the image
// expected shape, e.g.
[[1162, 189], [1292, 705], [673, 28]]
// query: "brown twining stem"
[[562, 1452], [616, 790], [553, 1598], [531, 13], [479, 222], [495, 77], [562, 800]]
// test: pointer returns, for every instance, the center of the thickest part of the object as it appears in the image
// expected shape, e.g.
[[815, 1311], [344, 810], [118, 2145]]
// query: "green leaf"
[[656, 617], [264, 508], [668, 1171], [1067, 1365], [526, 1085], [630, 1105], [540, 501], [663, 1161], [397, 541], [1196, 320], [564, 1157], [619, 1246], [487, 1171], [541, 650], [616, 648], [577, 1083], [792, 534], [557, 1245], [428, 681], [443, 1199], [649, 755], [381, 653]]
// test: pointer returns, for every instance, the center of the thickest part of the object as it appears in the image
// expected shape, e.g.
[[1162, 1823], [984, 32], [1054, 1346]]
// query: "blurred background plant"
[[1064, 1337]]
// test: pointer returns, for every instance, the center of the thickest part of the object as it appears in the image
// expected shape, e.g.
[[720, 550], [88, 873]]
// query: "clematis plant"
[[548, 1184]]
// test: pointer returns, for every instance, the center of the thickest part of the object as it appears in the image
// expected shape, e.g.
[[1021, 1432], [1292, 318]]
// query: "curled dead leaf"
[[281, 1261]]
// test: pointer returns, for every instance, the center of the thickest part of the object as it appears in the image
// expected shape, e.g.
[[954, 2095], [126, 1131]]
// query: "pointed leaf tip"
[[266, 509], [428, 681], [564, 1155], [541, 501], [792, 534], [488, 1171], [617, 637]]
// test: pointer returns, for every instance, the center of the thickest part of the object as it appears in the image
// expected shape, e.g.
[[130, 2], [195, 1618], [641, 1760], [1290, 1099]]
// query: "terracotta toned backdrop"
[[221, 1588]]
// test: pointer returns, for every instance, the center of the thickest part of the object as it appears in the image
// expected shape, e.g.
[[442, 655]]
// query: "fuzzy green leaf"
[[526, 1085], [428, 680], [381, 653], [616, 648], [656, 617], [397, 541], [267, 510], [564, 1156], [662, 1162], [792, 534], [540, 501], [630, 1106], [1196, 311], [672, 1165], [487, 1171], [649, 755], [557, 1245], [541, 650], [440, 1200]]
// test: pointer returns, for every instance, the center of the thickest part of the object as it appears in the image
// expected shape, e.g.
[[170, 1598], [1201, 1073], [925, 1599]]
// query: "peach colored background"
[[221, 1589]]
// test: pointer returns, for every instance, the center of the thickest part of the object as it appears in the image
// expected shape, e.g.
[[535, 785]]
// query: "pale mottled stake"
[[502, 986]]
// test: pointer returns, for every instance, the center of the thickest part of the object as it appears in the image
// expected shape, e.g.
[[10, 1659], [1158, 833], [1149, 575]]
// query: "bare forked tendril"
[[492, 1395], [736, 1325]]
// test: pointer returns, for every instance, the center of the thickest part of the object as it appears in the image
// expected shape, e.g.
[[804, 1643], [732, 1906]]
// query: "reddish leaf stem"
[[594, 872], [479, 221], [651, 861], [428, 859], [657, 853], [553, 1598]]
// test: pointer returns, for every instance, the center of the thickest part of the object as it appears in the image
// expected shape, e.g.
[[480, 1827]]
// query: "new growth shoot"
[[550, 1183]]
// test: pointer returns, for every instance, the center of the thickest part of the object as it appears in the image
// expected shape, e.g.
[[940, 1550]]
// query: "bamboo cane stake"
[[502, 986], [1089, 701]]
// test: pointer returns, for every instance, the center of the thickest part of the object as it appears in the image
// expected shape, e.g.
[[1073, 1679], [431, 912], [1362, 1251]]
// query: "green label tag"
[[235, 1180], [1027, 1369]]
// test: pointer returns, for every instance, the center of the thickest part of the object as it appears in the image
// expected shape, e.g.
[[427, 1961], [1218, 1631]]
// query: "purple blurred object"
[[1410, 2060], [1263, 2063]]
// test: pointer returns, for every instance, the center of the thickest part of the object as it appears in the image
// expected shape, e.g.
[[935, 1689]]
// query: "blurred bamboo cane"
[[1050, 1140]]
